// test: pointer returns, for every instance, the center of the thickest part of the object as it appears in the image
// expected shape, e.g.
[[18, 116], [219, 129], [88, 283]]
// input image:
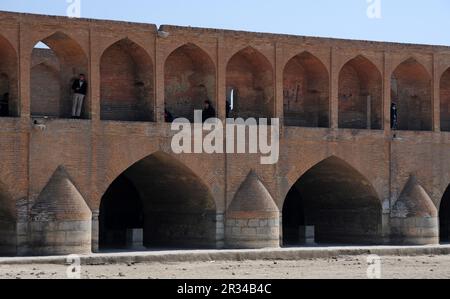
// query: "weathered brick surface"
[[96, 151]]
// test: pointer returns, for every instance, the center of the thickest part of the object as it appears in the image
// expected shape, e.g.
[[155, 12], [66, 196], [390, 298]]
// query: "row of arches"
[[158, 202], [175, 209], [127, 86]]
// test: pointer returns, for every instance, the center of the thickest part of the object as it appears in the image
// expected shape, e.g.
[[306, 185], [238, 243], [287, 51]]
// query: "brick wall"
[[95, 152], [126, 83], [189, 81]]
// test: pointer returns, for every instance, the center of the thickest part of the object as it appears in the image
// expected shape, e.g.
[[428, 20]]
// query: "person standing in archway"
[[208, 111], [79, 88]]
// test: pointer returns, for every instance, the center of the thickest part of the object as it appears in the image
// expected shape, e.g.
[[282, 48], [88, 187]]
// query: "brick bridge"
[[82, 185]]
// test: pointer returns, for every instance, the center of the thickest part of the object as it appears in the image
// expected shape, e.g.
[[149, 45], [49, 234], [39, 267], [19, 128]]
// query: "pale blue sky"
[[413, 21]]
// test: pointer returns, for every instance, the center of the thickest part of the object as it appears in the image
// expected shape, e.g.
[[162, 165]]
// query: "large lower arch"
[[332, 203], [56, 62], [9, 92], [445, 101], [126, 72], [8, 221], [190, 80], [306, 92], [411, 91], [444, 217], [161, 200], [360, 95], [250, 87]]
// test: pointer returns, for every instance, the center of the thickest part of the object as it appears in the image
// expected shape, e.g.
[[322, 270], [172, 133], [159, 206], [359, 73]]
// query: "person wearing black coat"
[[208, 111], [79, 88]]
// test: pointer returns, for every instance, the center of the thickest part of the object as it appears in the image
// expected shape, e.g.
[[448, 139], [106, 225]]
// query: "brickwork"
[[133, 73]]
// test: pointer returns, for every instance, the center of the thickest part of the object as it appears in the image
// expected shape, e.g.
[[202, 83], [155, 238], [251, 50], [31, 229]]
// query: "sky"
[[409, 21]]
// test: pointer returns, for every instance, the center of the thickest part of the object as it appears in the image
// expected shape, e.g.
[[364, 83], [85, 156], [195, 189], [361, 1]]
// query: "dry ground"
[[341, 267]]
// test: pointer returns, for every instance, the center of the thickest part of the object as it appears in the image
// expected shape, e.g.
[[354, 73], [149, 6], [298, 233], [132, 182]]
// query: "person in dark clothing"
[[208, 111], [79, 88], [168, 117], [394, 116], [4, 105]]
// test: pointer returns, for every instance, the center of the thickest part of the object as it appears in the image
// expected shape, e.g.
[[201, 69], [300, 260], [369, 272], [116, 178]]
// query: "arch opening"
[[411, 92], [127, 83], [250, 76], [157, 203], [360, 95], [444, 217], [7, 223], [306, 92], [445, 101], [331, 203], [190, 80], [56, 62], [9, 93]]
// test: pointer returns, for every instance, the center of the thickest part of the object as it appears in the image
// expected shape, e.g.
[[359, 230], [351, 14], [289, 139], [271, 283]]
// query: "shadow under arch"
[[306, 92], [9, 90], [157, 202], [126, 82], [411, 90], [190, 79], [332, 203], [46, 103], [360, 95], [250, 85], [8, 220], [444, 217], [444, 88]]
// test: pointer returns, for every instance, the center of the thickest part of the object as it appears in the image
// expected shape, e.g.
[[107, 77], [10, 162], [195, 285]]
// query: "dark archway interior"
[[165, 199], [444, 217], [445, 101], [9, 94], [116, 217], [190, 79], [55, 63], [337, 201], [411, 91], [250, 76], [360, 95], [127, 92], [7, 222], [306, 96]]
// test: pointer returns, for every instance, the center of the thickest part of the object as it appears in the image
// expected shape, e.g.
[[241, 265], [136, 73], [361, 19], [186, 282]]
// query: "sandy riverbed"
[[342, 267]]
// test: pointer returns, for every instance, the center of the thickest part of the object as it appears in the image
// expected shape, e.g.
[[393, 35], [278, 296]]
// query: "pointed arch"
[[445, 100], [411, 92], [306, 92], [127, 83], [66, 55], [360, 95], [250, 79], [9, 91], [165, 200], [190, 79], [337, 202]]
